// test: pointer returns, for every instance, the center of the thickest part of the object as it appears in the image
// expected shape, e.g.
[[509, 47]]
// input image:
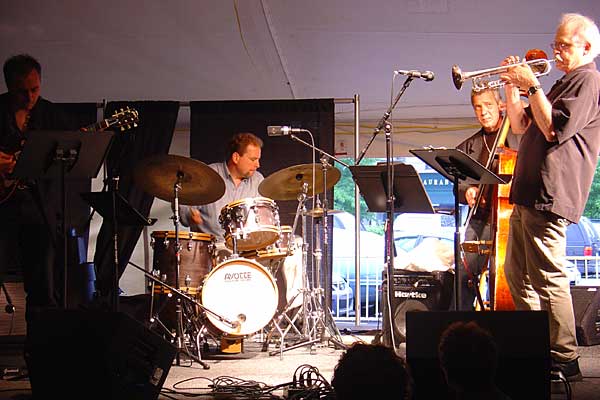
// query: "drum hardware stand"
[[190, 300], [283, 316], [312, 304], [317, 319]]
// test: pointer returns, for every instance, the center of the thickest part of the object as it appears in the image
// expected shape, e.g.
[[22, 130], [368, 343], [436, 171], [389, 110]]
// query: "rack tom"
[[253, 223]]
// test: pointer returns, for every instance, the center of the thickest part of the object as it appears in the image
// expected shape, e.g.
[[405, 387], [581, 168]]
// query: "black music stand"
[[409, 192], [458, 166], [409, 196], [48, 155], [115, 208]]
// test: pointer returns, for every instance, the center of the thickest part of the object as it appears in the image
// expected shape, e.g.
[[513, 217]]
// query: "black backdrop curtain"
[[214, 122], [152, 137]]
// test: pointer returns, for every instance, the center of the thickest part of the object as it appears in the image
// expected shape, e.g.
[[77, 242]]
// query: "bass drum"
[[241, 291]]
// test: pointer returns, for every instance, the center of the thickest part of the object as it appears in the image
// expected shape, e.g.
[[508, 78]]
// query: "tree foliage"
[[344, 198], [592, 208]]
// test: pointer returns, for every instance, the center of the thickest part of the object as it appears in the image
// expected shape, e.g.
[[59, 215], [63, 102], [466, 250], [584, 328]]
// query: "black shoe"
[[570, 370]]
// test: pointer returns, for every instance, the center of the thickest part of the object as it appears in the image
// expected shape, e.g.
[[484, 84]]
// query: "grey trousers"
[[536, 275]]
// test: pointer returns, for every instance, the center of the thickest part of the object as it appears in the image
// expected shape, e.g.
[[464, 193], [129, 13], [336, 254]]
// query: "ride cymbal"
[[286, 184], [200, 184]]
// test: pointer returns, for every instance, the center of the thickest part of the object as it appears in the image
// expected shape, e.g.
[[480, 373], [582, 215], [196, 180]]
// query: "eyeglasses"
[[561, 46]]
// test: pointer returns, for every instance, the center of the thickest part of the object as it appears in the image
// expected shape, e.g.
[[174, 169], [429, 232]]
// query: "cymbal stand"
[[324, 311], [179, 332], [283, 316], [317, 319]]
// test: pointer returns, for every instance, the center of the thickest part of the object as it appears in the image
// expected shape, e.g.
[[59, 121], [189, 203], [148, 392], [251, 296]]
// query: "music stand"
[[409, 192], [115, 208], [66, 155], [409, 196], [457, 166]]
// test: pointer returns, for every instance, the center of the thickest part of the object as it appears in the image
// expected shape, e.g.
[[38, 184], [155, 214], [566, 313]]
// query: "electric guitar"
[[123, 119]]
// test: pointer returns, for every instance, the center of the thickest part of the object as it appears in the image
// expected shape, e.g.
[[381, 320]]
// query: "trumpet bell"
[[457, 77]]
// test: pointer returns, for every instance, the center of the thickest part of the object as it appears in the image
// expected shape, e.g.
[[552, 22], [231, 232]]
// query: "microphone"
[[427, 75], [276, 130]]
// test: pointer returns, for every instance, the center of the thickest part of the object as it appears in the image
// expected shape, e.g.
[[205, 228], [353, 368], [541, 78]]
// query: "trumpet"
[[540, 67]]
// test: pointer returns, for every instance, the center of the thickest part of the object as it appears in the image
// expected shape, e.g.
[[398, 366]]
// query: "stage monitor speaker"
[[414, 291], [523, 342], [96, 355], [586, 304]]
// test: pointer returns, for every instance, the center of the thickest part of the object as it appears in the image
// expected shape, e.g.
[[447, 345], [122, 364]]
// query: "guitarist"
[[488, 108], [28, 217]]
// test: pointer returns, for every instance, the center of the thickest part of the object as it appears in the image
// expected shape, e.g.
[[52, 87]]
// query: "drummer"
[[239, 171]]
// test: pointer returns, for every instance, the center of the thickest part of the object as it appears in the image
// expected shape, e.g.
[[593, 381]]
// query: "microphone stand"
[[297, 139], [383, 121], [389, 229], [322, 313]]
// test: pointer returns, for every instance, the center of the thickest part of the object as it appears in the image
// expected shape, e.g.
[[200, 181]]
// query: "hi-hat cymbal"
[[318, 212], [200, 184], [286, 184]]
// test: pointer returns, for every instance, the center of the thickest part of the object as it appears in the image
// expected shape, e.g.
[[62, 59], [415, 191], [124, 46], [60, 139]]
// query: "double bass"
[[501, 159]]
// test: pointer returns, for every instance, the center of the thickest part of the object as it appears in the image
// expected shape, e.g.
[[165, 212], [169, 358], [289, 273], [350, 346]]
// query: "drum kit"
[[231, 298]]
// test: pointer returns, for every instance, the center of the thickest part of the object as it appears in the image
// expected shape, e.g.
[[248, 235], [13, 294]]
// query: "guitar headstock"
[[124, 119]]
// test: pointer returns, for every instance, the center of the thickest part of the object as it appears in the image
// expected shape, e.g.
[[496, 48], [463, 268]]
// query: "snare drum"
[[252, 222], [241, 291], [196, 259]]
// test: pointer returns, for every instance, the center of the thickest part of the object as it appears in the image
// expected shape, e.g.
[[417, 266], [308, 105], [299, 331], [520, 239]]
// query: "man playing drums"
[[241, 177]]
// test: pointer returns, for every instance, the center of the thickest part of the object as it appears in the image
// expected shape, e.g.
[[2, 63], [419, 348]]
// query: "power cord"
[[558, 378], [308, 384]]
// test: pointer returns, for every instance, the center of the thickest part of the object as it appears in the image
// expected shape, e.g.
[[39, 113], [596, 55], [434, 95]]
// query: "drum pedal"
[[231, 345]]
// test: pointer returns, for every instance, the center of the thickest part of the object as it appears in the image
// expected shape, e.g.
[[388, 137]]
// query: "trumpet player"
[[557, 158]]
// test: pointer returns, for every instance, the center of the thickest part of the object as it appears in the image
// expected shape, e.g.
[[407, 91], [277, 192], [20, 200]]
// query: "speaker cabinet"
[[414, 291], [96, 355], [523, 342], [586, 304]]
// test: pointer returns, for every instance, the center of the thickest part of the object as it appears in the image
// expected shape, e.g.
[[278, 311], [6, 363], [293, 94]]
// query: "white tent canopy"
[[274, 49]]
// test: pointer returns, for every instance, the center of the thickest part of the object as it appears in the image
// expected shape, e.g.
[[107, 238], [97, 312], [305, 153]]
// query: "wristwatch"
[[532, 90]]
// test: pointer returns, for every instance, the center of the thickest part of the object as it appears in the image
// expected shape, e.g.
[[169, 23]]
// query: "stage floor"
[[254, 371]]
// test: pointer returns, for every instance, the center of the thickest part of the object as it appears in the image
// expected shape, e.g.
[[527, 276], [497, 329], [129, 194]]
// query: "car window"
[[574, 234], [406, 243], [589, 228], [337, 223]]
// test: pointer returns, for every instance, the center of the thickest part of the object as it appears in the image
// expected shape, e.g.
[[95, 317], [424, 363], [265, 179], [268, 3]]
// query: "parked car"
[[342, 296], [583, 240], [424, 251], [372, 250]]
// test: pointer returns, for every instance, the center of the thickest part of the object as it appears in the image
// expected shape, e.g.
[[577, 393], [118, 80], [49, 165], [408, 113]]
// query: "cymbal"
[[318, 212], [286, 184], [200, 184]]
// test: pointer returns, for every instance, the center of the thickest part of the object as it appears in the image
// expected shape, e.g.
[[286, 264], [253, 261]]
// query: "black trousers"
[[27, 247]]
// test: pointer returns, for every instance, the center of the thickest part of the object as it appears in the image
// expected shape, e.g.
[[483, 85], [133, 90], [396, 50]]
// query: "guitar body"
[[501, 297]]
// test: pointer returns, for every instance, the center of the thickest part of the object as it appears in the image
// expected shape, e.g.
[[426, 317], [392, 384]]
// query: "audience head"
[[371, 371], [468, 356]]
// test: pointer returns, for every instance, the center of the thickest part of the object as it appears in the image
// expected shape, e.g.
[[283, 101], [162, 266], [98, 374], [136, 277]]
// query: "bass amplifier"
[[586, 304], [413, 291]]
